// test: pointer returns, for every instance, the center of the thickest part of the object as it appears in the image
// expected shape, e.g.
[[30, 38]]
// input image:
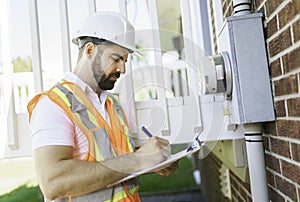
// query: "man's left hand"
[[167, 170]]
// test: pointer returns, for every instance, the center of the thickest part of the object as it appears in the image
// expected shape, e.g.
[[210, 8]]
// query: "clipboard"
[[171, 159]]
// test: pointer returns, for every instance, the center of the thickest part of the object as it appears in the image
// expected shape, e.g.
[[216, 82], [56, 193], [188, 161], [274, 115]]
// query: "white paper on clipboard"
[[171, 159]]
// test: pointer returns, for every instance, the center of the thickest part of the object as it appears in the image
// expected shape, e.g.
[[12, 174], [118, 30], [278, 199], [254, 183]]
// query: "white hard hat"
[[110, 26]]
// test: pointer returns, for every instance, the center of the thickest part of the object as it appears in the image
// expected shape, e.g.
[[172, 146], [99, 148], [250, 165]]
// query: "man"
[[80, 136]]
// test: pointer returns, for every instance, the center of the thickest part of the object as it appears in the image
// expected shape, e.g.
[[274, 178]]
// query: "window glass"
[[171, 40], [20, 45], [143, 68], [104, 5], [77, 11], [50, 40]]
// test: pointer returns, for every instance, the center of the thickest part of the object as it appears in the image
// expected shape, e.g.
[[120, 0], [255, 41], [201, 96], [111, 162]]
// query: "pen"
[[146, 131]]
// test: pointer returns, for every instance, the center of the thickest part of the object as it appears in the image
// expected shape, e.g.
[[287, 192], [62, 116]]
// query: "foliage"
[[24, 194], [22, 64], [182, 178]]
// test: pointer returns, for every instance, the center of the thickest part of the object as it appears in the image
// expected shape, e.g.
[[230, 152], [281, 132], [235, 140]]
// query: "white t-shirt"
[[50, 125]]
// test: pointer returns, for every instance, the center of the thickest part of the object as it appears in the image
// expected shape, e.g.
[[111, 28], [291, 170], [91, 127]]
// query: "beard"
[[108, 82]]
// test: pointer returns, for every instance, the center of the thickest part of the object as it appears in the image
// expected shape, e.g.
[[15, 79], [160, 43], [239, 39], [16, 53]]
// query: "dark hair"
[[82, 41], [86, 39]]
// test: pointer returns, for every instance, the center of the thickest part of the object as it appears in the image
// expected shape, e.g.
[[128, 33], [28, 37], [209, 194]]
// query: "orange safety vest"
[[104, 142]]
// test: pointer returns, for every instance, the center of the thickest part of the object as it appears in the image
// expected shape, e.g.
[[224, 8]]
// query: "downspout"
[[253, 136]]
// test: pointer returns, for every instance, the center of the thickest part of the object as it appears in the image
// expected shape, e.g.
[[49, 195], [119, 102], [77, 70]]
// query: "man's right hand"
[[153, 152]]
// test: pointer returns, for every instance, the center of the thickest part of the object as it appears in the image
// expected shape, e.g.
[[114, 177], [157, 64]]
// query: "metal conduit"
[[253, 136]]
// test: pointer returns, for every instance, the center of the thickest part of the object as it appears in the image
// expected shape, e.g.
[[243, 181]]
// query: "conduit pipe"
[[241, 7], [256, 162]]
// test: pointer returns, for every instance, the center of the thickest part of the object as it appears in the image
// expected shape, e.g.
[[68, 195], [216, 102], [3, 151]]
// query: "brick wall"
[[281, 137], [210, 167]]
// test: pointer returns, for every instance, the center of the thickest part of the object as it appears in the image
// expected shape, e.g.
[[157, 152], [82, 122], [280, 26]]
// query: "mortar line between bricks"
[[280, 193], [286, 97], [283, 158], [291, 73], [286, 51], [287, 139], [277, 10], [279, 31], [283, 177], [261, 5], [241, 186]]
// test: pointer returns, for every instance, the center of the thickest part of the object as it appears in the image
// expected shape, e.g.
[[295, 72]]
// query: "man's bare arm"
[[59, 175]]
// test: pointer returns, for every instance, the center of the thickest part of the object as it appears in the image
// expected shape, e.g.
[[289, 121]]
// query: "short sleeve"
[[50, 125]]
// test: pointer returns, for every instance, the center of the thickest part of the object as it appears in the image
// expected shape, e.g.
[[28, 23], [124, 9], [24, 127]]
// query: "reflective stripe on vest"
[[103, 141]]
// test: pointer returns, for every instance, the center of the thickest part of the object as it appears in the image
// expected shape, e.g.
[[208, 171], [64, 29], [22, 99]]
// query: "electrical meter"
[[215, 75]]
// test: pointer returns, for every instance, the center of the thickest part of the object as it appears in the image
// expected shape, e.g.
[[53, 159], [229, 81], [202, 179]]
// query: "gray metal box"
[[242, 38]]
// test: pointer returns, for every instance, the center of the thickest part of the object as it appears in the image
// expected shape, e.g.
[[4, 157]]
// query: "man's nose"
[[121, 67]]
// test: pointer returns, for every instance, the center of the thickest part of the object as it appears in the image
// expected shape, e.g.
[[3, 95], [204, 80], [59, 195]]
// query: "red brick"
[[274, 196], [296, 5], [291, 171], [280, 43], [234, 195], [271, 6], [225, 5], [272, 27], [270, 178], [286, 188], [280, 147], [296, 30], [280, 108], [249, 199], [239, 198], [296, 151], [285, 86], [243, 194], [286, 15], [266, 143], [258, 3], [230, 8], [233, 182], [246, 186], [272, 163], [270, 128], [294, 107], [291, 61], [288, 128], [275, 68]]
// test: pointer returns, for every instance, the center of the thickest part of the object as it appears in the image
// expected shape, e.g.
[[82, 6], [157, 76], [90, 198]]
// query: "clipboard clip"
[[196, 144]]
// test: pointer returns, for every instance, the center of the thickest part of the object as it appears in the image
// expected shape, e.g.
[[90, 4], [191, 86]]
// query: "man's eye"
[[116, 59]]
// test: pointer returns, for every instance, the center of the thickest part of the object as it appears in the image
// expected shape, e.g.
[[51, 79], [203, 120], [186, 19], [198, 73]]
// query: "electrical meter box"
[[242, 37]]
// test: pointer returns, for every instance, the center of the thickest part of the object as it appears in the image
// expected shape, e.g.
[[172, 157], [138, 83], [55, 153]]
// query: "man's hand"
[[167, 170], [155, 151]]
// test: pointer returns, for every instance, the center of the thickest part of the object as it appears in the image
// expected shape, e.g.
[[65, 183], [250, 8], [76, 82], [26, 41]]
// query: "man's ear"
[[89, 49]]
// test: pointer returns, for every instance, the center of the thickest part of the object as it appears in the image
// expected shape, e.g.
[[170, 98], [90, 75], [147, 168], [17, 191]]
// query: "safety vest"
[[104, 141]]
